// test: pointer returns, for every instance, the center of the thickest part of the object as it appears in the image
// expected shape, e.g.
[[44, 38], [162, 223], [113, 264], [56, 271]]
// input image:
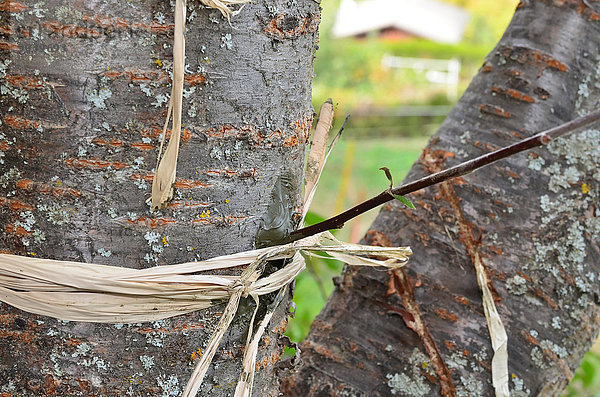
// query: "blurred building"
[[401, 19]]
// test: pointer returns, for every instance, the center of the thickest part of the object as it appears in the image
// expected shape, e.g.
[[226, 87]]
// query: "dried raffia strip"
[[316, 156], [246, 379], [309, 191], [77, 291], [497, 332], [166, 167]]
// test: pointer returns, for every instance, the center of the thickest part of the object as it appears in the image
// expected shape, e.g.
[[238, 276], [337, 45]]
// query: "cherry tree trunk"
[[84, 90], [533, 221]]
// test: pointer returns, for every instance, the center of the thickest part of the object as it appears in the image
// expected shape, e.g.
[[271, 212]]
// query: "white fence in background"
[[437, 71]]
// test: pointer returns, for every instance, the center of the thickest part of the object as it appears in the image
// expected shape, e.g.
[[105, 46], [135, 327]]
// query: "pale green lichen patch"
[[537, 357], [536, 163], [98, 97], [414, 384], [400, 383], [516, 285], [55, 213], [82, 350], [104, 252], [169, 386], [147, 362], [519, 389], [470, 386]]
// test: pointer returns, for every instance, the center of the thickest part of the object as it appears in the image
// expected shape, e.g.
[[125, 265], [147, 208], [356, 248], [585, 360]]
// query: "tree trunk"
[[85, 90], [532, 220]]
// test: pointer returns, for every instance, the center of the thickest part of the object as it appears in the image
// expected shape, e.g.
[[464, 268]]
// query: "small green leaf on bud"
[[404, 201]]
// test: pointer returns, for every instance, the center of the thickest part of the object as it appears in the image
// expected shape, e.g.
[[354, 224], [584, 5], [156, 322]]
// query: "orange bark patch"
[[495, 250], [195, 79], [15, 204], [462, 300], [141, 146], [5, 45], [287, 26], [151, 222], [484, 145], [513, 94], [525, 55], [546, 298], [224, 172], [24, 81], [446, 316], [157, 131], [12, 6], [424, 237], [95, 163], [25, 184], [7, 30], [377, 238], [434, 159], [70, 30], [323, 351], [24, 337], [291, 141], [494, 110], [303, 125], [20, 123], [218, 220], [29, 185], [190, 184], [450, 345], [17, 230], [107, 22], [147, 177], [112, 142]]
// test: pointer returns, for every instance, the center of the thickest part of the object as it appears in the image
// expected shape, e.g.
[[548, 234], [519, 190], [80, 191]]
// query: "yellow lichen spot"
[[425, 365], [165, 241], [226, 201], [196, 355], [207, 212], [58, 182], [585, 189], [32, 254], [513, 376], [108, 68], [159, 63]]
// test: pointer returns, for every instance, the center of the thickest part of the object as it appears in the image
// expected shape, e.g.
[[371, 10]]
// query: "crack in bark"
[[400, 284]]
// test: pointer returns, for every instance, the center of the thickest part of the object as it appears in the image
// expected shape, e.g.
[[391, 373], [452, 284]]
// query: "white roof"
[[430, 19]]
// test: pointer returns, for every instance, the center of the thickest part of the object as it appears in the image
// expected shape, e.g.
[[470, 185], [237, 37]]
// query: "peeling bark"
[[85, 90], [531, 220]]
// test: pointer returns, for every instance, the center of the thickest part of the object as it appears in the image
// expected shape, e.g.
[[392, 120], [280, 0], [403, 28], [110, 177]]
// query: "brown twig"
[[541, 138]]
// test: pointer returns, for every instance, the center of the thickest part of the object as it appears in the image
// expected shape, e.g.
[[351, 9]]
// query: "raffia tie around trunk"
[[77, 291]]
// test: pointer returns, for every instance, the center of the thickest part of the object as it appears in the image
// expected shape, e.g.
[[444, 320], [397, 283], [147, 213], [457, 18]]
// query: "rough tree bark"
[[532, 220], [84, 91]]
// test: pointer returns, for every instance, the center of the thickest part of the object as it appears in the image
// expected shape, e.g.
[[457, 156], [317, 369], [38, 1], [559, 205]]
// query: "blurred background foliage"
[[393, 114]]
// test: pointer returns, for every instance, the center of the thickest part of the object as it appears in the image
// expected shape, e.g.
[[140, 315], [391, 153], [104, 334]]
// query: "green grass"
[[586, 382]]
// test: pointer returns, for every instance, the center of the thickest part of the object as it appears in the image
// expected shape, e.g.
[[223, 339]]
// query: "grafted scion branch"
[[539, 139]]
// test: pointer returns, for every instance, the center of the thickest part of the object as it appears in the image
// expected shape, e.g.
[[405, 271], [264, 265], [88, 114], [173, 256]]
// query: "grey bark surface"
[[533, 220], [84, 92]]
